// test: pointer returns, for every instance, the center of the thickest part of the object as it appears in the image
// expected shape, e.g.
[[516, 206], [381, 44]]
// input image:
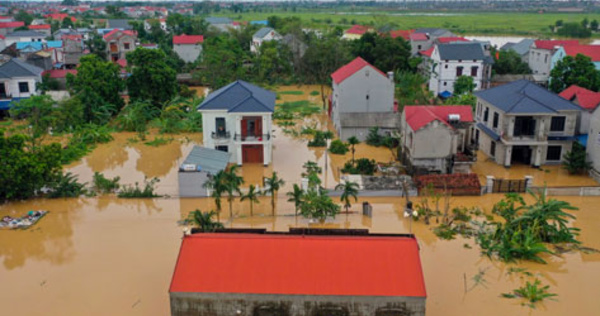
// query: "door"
[[3, 91], [252, 154]]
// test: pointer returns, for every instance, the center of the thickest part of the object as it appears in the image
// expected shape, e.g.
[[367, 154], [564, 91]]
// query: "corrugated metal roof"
[[263, 32], [299, 265], [209, 160], [465, 51], [523, 96], [240, 96]]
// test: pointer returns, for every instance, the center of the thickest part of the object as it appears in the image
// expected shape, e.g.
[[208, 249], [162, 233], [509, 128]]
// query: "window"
[[496, 119], [445, 66], [222, 148], [445, 83], [493, 149], [23, 87], [460, 60], [554, 153], [126, 45], [419, 48], [459, 71], [474, 71], [557, 124], [545, 59], [486, 113], [367, 97], [220, 126]]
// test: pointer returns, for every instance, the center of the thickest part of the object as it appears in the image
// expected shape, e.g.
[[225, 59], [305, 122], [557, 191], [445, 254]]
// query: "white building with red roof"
[[438, 138], [41, 28], [188, 47], [304, 272], [591, 51], [362, 97], [544, 54], [356, 32]]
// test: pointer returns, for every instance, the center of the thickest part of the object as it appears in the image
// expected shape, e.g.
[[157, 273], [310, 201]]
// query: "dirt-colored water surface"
[[110, 256]]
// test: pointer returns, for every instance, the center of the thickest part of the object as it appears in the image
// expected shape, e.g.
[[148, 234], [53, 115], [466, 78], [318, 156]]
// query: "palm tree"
[[216, 184], [349, 189], [296, 196], [353, 141], [204, 221], [231, 185], [274, 183], [252, 197]]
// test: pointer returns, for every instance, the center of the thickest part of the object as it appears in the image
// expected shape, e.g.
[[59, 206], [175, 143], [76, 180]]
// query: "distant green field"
[[480, 23]]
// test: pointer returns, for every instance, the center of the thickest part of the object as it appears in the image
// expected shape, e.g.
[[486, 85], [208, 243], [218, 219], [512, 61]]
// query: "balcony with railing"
[[252, 137], [221, 135]]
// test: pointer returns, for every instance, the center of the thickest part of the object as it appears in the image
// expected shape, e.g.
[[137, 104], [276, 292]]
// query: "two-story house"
[[18, 80], [437, 138], [119, 43], [362, 97], [45, 29], [237, 119], [424, 38], [521, 122], [73, 47], [188, 47], [587, 100], [544, 54], [24, 36], [263, 35], [450, 61]]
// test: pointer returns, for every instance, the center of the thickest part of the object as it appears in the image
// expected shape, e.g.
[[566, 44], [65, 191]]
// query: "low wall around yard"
[[569, 191]]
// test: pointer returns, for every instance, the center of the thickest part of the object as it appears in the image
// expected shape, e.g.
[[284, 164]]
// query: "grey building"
[[199, 165], [258, 273], [521, 48], [221, 23], [362, 97], [521, 122]]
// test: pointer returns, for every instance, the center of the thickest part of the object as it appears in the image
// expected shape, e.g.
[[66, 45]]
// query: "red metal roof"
[[349, 69], [123, 32], [299, 265], [405, 34], [587, 99], [39, 27], [59, 17], [592, 51], [15, 24], [445, 40], [551, 44], [418, 37], [427, 52], [188, 39], [357, 29], [417, 116], [59, 73]]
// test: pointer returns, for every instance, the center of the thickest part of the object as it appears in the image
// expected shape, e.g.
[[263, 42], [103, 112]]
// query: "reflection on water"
[[110, 256]]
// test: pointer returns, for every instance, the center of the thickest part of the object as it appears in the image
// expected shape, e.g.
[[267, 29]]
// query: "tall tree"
[[509, 62], [99, 85], [231, 186], [296, 196], [222, 61], [349, 190], [95, 44], [272, 62], [384, 52], [273, 184], [353, 141], [216, 184], [151, 78], [569, 71], [252, 197]]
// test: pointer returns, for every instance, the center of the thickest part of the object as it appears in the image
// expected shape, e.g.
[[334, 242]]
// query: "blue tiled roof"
[[263, 32], [524, 96], [240, 96], [488, 131]]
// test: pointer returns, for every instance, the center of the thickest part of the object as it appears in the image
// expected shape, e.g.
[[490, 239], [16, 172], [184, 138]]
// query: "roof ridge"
[[251, 96]]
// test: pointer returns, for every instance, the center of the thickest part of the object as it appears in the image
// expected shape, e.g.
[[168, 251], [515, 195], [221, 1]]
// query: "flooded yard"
[[110, 256]]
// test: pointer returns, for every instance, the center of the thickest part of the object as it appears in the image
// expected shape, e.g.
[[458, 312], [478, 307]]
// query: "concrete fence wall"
[[569, 191]]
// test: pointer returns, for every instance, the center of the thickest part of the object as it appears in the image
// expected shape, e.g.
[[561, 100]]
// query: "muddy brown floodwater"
[[110, 256]]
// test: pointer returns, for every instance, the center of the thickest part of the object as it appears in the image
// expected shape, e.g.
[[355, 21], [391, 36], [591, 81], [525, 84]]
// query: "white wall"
[[11, 40], [188, 52], [12, 86], [593, 144], [446, 73]]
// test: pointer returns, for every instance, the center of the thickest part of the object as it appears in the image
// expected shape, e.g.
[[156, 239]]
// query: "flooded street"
[[110, 256]]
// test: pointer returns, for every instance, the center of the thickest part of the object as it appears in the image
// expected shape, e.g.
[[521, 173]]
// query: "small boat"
[[22, 222]]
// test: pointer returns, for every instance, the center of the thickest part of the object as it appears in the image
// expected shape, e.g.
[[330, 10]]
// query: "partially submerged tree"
[[273, 185], [353, 141], [296, 196], [252, 197], [151, 78], [576, 160], [349, 190], [203, 221]]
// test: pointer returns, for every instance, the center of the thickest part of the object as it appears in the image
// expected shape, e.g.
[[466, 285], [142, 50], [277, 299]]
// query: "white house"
[[544, 54], [437, 138], [263, 35], [237, 119], [362, 97], [18, 80], [24, 36], [450, 61], [188, 47], [161, 22]]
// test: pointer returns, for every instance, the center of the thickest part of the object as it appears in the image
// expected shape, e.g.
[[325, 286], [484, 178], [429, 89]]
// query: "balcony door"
[[524, 126], [220, 126], [251, 127], [3, 94]]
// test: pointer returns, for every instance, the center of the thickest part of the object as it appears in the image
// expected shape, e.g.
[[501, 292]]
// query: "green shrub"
[[373, 138], [360, 166], [291, 92], [320, 139], [314, 93], [66, 185], [159, 141], [338, 147], [136, 192], [105, 185]]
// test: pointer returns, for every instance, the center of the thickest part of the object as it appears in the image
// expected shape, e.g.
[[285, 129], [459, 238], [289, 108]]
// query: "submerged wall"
[[206, 304]]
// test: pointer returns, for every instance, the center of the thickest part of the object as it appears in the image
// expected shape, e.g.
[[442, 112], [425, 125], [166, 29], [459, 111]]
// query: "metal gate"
[[508, 186]]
